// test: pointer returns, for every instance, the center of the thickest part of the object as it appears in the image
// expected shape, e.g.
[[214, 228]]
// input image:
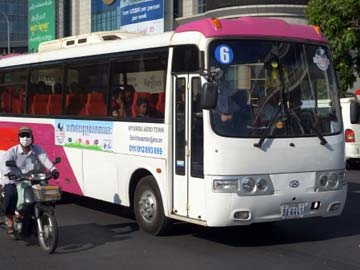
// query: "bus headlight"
[[248, 184], [332, 180], [244, 185], [261, 184], [226, 185], [323, 180], [255, 185]]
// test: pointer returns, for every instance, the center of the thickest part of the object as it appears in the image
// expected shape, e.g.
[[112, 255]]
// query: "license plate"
[[292, 210]]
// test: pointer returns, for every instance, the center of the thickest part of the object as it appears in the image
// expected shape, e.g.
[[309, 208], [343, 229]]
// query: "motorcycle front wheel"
[[49, 239]]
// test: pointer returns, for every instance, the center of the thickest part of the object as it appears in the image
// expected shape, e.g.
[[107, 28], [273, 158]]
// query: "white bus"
[[218, 123]]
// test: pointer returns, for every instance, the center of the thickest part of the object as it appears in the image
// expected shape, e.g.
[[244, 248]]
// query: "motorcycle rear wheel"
[[48, 241]]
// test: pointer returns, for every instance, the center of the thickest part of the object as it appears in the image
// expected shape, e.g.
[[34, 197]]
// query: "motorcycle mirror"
[[10, 163], [57, 160]]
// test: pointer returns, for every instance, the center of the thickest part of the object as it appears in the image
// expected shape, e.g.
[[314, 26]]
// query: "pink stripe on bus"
[[44, 135], [253, 27]]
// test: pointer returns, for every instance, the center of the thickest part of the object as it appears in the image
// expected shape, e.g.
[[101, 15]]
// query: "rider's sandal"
[[11, 233]]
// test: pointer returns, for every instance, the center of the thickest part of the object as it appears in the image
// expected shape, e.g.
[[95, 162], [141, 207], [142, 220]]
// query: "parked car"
[[350, 112]]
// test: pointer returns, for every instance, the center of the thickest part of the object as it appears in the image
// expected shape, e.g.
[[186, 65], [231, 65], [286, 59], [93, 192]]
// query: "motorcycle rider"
[[28, 157]]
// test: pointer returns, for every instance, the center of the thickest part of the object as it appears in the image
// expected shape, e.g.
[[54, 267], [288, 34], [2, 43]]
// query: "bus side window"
[[145, 73], [185, 59], [12, 91], [45, 90], [87, 88]]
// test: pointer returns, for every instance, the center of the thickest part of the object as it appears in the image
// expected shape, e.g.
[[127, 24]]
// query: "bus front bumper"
[[231, 209]]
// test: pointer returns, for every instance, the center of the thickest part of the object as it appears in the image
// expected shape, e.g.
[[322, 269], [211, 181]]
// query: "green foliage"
[[339, 20]]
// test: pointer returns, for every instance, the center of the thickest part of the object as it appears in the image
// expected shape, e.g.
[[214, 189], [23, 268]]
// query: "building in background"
[[290, 10], [16, 13], [48, 20], [149, 16]]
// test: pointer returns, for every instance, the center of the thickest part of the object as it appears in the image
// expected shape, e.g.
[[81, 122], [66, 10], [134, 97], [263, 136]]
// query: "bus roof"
[[244, 26], [106, 47], [252, 27]]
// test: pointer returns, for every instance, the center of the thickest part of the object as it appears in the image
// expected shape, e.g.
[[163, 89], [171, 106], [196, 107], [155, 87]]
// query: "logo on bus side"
[[294, 183], [321, 60], [60, 133]]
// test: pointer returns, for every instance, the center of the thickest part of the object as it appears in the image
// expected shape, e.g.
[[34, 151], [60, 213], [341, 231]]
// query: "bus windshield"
[[281, 89]]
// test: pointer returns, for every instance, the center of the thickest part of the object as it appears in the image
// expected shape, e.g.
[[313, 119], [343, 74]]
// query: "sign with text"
[[90, 135], [142, 15], [41, 22]]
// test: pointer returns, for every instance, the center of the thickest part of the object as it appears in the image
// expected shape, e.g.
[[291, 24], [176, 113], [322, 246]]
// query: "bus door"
[[188, 178]]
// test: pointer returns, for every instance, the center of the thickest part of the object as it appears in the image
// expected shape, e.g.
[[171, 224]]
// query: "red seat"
[[5, 101], [73, 103], [136, 96], [39, 104], [160, 105], [95, 97], [96, 109], [95, 105], [53, 106], [19, 102]]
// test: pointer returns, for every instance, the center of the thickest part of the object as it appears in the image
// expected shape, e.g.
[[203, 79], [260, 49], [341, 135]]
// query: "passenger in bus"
[[57, 88], [41, 88], [142, 107], [27, 156], [118, 103], [75, 88], [242, 109], [155, 105], [266, 109], [129, 91], [223, 114]]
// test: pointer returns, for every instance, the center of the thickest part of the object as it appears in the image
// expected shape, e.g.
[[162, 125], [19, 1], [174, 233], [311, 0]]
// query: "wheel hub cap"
[[147, 205]]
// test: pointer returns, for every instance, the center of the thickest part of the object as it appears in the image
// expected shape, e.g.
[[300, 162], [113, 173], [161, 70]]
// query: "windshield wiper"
[[267, 131], [323, 141]]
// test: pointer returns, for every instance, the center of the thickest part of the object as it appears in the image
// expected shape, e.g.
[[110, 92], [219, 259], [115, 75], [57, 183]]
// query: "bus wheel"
[[148, 207]]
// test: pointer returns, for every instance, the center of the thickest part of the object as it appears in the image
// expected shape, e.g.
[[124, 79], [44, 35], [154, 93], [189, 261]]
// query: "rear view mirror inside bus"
[[209, 96]]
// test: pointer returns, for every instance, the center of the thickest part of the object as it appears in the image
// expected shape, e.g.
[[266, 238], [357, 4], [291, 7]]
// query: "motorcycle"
[[38, 208]]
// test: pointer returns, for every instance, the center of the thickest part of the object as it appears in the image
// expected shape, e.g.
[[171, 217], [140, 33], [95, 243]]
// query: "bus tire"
[[148, 207]]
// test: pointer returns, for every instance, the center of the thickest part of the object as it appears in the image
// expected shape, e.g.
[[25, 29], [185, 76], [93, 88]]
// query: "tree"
[[339, 20]]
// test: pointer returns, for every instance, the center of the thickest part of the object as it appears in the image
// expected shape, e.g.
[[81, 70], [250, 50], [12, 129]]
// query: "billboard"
[[142, 15], [41, 22]]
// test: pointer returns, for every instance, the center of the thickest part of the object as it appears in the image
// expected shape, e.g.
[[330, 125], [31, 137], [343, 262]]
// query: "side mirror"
[[209, 96], [354, 112], [57, 160], [10, 163]]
